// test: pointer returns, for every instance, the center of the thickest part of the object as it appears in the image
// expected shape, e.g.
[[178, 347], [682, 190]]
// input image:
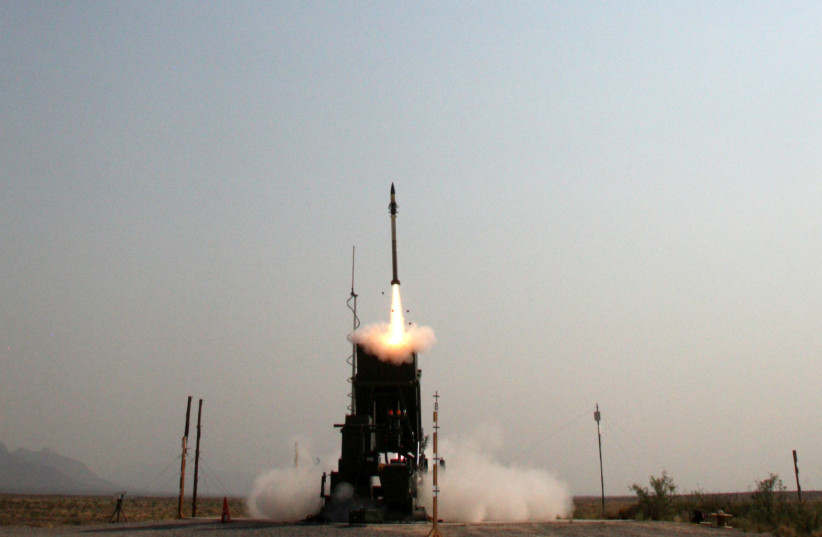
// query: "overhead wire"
[[637, 445], [552, 434], [213, 478], [167, 479]]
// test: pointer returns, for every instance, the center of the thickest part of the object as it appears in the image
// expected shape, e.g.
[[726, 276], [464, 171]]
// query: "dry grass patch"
[[590, 507], [50, 511]]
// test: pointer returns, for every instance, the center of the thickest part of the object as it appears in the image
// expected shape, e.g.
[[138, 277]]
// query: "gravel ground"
[[252, 528]]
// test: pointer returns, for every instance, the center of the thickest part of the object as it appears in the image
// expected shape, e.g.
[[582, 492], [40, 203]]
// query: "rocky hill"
[[23, 471]]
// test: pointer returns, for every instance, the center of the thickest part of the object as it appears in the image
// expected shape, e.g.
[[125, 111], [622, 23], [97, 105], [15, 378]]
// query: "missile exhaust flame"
[[394, 342], [397, 333]]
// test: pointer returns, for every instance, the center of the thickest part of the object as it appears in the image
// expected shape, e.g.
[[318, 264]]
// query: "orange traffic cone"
[[226, 517]]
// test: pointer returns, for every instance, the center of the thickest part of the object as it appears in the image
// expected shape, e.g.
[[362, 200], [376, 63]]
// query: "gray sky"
[[605, 202]]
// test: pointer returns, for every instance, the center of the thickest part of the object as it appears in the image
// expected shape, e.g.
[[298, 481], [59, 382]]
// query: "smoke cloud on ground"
[[288, 494], [376, 339], [474, 487]]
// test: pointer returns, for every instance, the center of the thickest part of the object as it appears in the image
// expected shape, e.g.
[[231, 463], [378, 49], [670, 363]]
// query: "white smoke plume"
[[288, 494], [474, 487], [375, 338]]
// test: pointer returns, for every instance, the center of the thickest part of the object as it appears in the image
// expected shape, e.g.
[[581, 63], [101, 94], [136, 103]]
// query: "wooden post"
[[183, 461], [196, 461], [796, 471]]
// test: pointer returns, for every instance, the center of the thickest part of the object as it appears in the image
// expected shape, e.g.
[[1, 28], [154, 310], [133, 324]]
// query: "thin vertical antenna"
[[352, 359], [597, 417]]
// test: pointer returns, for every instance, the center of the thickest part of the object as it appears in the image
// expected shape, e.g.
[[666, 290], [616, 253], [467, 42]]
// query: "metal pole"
[[435, 530], [597, 417], [183, 462], [196, 461]]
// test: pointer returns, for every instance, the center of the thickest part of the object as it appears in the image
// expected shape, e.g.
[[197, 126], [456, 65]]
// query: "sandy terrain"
[[248, 528]]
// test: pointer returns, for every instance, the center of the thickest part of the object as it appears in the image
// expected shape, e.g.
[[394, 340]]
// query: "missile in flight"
[[392, 209]]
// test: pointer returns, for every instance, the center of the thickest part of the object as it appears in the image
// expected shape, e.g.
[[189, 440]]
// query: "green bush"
[[656, 503], [768, 504], [769, 508]]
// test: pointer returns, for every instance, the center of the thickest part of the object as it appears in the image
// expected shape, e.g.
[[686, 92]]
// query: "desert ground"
[[255, 528], [58, 516]]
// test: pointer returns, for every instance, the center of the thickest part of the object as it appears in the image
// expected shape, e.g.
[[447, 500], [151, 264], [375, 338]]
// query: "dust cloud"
[[475, 487], [288, 494]]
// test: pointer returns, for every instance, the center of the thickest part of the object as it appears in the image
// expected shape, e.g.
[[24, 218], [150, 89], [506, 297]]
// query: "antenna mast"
[[352, 305]]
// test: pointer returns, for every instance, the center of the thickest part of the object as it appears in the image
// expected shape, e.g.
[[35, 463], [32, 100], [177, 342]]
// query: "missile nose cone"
[[392, 207]]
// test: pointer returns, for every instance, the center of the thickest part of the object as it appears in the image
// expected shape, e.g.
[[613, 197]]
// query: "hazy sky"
[[600, 202]]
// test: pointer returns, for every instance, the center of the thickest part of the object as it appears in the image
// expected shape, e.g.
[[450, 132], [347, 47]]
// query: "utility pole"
[[597, 417], [196, 461], [183, 462]]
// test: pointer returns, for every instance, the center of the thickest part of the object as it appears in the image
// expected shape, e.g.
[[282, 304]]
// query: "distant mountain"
[[45, 472]]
